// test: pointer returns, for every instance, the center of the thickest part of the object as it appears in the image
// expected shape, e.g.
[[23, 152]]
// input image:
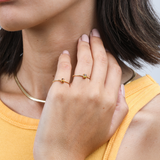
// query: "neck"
[[43, 44]]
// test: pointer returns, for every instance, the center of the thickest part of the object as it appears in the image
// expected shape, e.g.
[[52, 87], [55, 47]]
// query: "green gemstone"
[[84, 76], [62, 80]]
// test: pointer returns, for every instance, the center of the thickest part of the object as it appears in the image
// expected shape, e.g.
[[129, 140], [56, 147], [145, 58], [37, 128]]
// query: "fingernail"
[[65, 52], [95, 33], [85, 38], [122, 90]]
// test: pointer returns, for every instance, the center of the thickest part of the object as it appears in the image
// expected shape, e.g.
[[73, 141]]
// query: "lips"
[[4, 1]]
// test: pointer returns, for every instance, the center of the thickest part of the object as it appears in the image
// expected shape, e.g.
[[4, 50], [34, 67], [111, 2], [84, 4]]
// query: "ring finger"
[[85, 61], [63, 72]]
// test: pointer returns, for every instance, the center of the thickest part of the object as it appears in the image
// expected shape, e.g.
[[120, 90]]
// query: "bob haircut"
[[129, 29]]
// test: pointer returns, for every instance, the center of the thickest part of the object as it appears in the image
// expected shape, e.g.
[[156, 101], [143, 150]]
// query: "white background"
[[148, 69]]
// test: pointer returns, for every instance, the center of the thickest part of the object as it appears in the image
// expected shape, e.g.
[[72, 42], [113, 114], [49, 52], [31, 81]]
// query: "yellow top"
[[17, 132]]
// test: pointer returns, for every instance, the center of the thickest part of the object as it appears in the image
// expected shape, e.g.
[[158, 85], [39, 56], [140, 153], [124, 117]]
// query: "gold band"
[[61, 80], [84, 76]]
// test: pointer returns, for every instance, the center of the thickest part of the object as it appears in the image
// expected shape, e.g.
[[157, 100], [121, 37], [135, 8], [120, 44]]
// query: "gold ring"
[[84, 76], [61, 80]]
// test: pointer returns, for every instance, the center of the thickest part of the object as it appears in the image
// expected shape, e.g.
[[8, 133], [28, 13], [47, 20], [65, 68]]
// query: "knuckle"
[[117, 69], [65, 65], [102, 58], [60, 96], [84, 45], [86, 59], [95, 96], [96, 41], [111, 102], [76, 96]]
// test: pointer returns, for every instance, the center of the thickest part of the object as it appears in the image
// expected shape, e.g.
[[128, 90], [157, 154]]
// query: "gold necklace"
[[26, 93], [43, 101], [130, 80]]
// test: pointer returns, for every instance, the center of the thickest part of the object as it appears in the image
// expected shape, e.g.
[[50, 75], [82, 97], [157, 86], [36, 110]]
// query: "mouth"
[[2, 1]]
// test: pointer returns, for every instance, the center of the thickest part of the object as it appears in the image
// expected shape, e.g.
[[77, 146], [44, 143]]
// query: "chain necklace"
[[43, 101]]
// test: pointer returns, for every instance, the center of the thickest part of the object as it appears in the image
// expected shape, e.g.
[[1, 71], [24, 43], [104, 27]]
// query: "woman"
[[84, 101]]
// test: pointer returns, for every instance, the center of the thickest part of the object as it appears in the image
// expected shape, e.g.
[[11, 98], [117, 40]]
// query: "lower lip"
[[4, 1]]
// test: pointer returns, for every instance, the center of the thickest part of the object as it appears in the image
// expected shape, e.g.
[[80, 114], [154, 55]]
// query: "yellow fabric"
[[17, 132]]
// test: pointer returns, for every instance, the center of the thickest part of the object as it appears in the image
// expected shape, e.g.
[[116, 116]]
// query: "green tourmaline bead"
[[84, 76]]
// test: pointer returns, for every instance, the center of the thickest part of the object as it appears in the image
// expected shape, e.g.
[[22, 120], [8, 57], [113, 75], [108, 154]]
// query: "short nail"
[[85, 38], [65, 52], [95, 33], [122, 90]]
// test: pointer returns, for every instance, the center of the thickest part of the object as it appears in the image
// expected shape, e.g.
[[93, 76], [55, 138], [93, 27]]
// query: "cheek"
[[23, 14]]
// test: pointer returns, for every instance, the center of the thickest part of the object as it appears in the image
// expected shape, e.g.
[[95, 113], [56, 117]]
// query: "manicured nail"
[[122, 90], [95, 33], [85, 38], [65, 52]]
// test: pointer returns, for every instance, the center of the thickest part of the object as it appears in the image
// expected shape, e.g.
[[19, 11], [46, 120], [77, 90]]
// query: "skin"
[[141, 140], [90, 124], [40, 57], [48, 28]]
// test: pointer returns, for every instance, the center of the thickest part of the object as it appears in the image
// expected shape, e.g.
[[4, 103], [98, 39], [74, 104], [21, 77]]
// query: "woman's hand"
[[80, 117]]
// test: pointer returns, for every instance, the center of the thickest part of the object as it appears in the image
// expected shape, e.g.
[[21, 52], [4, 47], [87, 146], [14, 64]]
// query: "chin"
[[12, 20], [10, 24], [10, 27], [15, 24]]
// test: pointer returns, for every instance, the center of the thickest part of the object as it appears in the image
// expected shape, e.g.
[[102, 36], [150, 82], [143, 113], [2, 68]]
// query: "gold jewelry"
[[84, 76], [130, 80], [61, 80], [26, 93]]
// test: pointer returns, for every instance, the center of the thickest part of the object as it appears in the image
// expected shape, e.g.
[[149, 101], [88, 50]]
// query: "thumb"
[[120, 112]]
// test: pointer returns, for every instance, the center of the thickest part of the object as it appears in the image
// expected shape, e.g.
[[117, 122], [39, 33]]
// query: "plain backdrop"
[[153, 71]]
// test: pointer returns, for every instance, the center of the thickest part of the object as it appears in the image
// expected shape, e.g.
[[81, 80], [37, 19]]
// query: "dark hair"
[[130, 30], [11, 48]]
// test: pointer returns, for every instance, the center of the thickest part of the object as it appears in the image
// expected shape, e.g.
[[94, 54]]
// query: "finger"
[[113, 78], [120, 112], [100, 58], [85, 61], [63, 68]]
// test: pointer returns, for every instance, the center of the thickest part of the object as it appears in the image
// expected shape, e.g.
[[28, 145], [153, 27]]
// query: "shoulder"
[[142, 140]]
